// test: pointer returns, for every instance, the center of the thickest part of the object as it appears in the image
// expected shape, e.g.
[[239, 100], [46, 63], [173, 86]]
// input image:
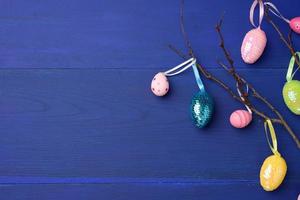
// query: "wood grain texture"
[[78, 119]]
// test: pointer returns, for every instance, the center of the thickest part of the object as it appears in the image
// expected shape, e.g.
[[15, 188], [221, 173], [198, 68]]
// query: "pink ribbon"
[[261, 12]]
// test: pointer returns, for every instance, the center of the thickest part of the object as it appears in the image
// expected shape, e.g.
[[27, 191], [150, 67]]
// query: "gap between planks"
[[115, 180]]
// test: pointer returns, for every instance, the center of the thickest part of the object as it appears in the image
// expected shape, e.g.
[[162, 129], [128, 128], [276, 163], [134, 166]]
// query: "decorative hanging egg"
[[272, 172], [160, 84], [202, 108], [291, 95], [253, 45], [240, 118], [295, 24]]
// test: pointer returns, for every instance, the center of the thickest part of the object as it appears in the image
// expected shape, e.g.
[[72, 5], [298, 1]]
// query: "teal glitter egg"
[[202, 108]]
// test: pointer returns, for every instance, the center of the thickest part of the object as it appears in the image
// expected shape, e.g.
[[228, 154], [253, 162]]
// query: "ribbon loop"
[[273, 9], [290, 74], [184, 66], [268, 125], [261, 12], [198, 79], [241, 96]]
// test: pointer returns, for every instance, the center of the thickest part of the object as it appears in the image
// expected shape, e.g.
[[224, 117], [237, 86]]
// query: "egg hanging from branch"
[[240, 118], [253, 45], [202, 108], [272, 172]]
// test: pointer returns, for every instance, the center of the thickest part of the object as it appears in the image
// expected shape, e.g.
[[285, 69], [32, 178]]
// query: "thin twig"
[[227, 54], [288, 42], [184, 34]]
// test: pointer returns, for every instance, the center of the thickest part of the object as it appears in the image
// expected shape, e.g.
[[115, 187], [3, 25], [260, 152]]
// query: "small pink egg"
[[295, 24], [160, 84], [253, 45], [240, 118], [299, 197]]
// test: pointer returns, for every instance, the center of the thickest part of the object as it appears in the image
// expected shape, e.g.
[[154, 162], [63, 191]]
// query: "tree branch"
[[286, 41], [241, 82]]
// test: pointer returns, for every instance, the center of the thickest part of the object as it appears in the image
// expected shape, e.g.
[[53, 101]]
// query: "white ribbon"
[[241, 96], [181, 67], [273, 9]]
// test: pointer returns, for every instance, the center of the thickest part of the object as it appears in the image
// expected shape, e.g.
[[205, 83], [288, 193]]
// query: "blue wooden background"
[[78, 119]]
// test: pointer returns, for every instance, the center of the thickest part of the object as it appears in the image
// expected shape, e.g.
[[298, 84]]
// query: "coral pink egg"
[[240, 118], [253, 45], [160, 84], [295, 24]]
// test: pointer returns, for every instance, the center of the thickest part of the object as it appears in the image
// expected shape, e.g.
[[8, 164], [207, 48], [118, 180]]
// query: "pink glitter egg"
[[160, 84], [295, 24], [253, 45], [240, 118]]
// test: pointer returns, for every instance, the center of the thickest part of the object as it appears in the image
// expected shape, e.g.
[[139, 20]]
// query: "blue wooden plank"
[[135, 34], [84, 123], [143, 191]]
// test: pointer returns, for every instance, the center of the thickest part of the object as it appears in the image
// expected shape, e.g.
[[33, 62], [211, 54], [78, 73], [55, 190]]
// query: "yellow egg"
[[272, 172]]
